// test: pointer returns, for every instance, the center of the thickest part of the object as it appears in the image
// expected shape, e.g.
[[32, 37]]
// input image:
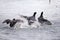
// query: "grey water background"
[[10, 9]]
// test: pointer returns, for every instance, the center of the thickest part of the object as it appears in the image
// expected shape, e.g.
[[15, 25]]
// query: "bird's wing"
[[24, 16], [32, 18], [7, 21], [18, 20]]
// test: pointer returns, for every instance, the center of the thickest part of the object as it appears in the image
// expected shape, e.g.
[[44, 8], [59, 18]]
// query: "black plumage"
[[30, 19], [12, 22], [42, 20]]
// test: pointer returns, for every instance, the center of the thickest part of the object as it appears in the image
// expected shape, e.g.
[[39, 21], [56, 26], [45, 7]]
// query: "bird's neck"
[[34, 15], [41, 16]]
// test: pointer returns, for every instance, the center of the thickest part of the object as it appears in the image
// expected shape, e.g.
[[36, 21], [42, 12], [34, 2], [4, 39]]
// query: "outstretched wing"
[[18, 20], [23, 16], [7, 21]]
